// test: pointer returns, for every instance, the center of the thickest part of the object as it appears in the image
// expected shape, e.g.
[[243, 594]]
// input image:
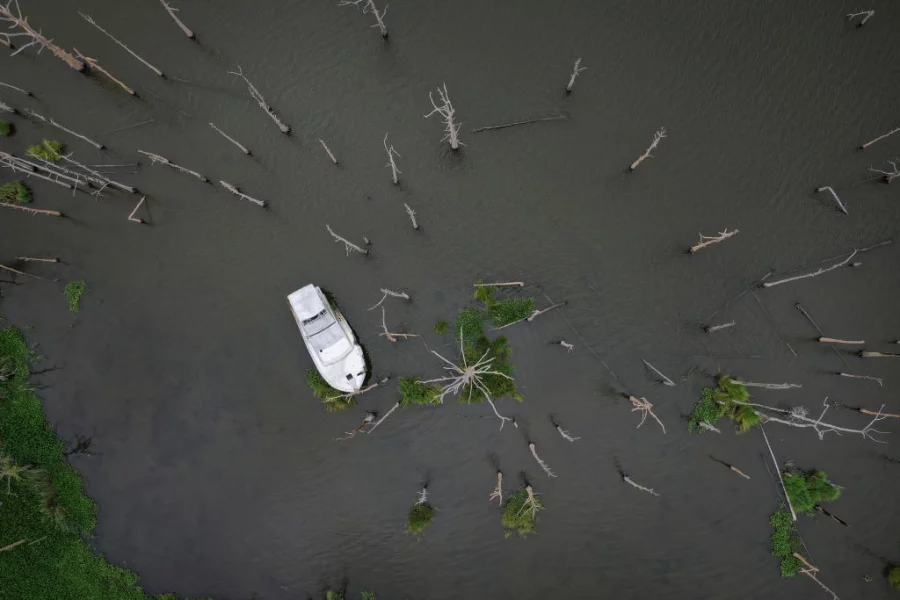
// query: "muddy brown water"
[[217, 472]]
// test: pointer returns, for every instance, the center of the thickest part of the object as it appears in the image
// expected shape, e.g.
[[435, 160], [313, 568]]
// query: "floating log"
[[828, 340], [131, 217], [237, 192], [230, 139], [95, 66], [328, 151], [712, 328], [869, 354], [34, 211], [178, 22]]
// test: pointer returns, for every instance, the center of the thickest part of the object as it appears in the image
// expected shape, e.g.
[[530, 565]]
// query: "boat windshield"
[[326, 336]]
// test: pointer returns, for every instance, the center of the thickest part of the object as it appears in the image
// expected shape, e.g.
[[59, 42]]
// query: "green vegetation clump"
[[806, 490], [723, 401], [334, 400], [785, 541], [894, 577], [420, 516], [469, 324], [504, 312], [6, 128], [49, 150], [441, 327], [15, 192], [46, 505], [413, 391], [517, 517], [74, 291]]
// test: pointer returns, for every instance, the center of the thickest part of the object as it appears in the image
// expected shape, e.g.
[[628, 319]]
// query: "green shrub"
[[806, 490], [334, 400], [332, 595], [785, 541], [517, 517], [413, 391], [365, 595], [49, 150], [469, 324], [6, 128], [15, 191], [420, 517], [723, 401], [441, 327], [894, 577], [74, 291], [505, 312]]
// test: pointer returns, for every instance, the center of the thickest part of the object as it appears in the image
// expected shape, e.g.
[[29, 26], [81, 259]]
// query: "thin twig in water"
[[386, 292], [707, 240], [657, 138], [126, 48], [412, 216], [575, 71], [516, 123], [868, 15], [254, 93], [392, 164], [666, 380], [566, 435], [631, 482], [835, 196], [498, 491], [869, 377], [230, 139], [392, 337], [348, 246], [328, 151], [712, 328], [822, 271], [543, 465], [645, 408]]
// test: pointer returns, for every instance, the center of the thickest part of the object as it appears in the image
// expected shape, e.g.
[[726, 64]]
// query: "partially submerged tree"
[[719, 402], [575, 71], [420, 515], [254, 93], [894, 172], [20, 27], [368, 6], [413, 391], [520, 512], [448, 115], [171, 10], [392, 164], [807, 490], [657, 138], [90, 20]]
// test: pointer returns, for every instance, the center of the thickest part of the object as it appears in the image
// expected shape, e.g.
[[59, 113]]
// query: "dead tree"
[[328, 151], [386, 292], [95, 66], [18, 272], [391, 162], [498, 491], [543, 465], [234, 190], [98, 177], [575, 71], [178, 22], [712, 328], [834, 195], [569, 347], [368, 6], [566, 435], [53, 174], [230, 139], [869, 377], [828, 340], [393, 337], [412, 216], [448, 115], [19, 23], [645, 408], [34, 211], [889, 176], [816, 273], [657, 138], [50, 121], [126, 48], [879, 138], [517, 123], [666, 380], [131, 217], [868, 15], [348, 246], [731, 467], [871, 354], [500, 284], [33, 259], [254, 93], [632, 483], [352, 433], [799, 417], [381, 420], [810, 571], [767, 386], [156, 158], [18, 89], [708, 240]]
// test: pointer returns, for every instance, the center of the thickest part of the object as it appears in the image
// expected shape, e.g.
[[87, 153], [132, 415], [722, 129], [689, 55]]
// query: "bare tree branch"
[[498, 491], [178, 22], [126, 48], [712, 328], [708, 240], [666, 380], [17, 21], [889, 176], [645, 408], [768, 386], [869, 377], [230, 139], [392, 337], [835, 196], [798, 417], [254, 93], [234, 190], [31, 113], [880, 137], [566, 435], [631, 482], [391, 162], [543, 465], [369, 7], [18, 89], [381, 420], [657, 138], [821, 271], [348, 246], [156, 158], [868, 15], [328, 151], [448, 115], [828, 340], [34, 211], [131, 217], [575, 71], [386, 292]]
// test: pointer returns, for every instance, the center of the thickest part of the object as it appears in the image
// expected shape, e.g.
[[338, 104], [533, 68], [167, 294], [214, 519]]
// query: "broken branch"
[[230, 139], [126, 48], [657, 138], [768, 284], [234, 190], [348, 246], [707, 240]]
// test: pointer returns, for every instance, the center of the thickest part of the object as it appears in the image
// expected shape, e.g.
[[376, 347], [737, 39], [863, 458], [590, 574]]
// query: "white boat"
[[329, 339]]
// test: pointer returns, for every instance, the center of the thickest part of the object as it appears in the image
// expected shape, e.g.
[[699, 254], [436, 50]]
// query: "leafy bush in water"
[[420, 517], [6, 128], [719, 402], [334, 400], [413, 391], [806, 490], [441, 327], [894, 577], [516, 518], [74, 291], [509, 311], [15, 192], [785, 542], [469, 324], [49, 150]]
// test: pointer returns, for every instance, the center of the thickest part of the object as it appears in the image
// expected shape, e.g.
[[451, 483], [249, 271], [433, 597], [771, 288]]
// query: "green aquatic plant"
[[6, 128], [785, 541], [15, 192], [332, 595], [807, 490], [894, 577], [420, 515], [520, 512], [725, 400], [334, 400], [413, 391], [49, 150], [511, 310], [441, 327], [470, 324], [74, 292], [366, 595]]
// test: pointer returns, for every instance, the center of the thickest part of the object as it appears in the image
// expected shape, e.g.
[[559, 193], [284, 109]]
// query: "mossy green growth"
[[334, 400], [15, 192], [724, 401], [785, 541], [47, 506], [420, 516], [49, 150], [894, 577], [517, 516], [806, 490], [74, 291], [504, 312], [441, 327], [332, 595], [6, 128], [413, 391]]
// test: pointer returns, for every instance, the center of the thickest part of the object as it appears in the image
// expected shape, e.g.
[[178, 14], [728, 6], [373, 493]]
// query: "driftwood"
[[234, 190], [708, 240], [828, 340], [543, 465], [18, 89], [391, 162], [666, 380], [889, 176], [98, 178], [230, 139], [869, 377], [368, 6], [498, 491], [448, 115], [352, 433], [393, 337], [816, 273], [778, 470], [34, 211], [643, 406], [381, 420], [812, 322], [131, 217], [566, 435], [33, 259], [348, 246], [868, 15], [412, 216], [835, 196], [880, 137], [798, 417], [712, 328], [254, 93], [870, 354], [767, 386], [569, 347], [328, 151], [500, 284], [178, 22], [386, 292], [43, 119], [18, 272], [632, 483], [528, 122], [17, 21], [156, 158], [126, 48], [575, 71], [95, 66], [657, 138]]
